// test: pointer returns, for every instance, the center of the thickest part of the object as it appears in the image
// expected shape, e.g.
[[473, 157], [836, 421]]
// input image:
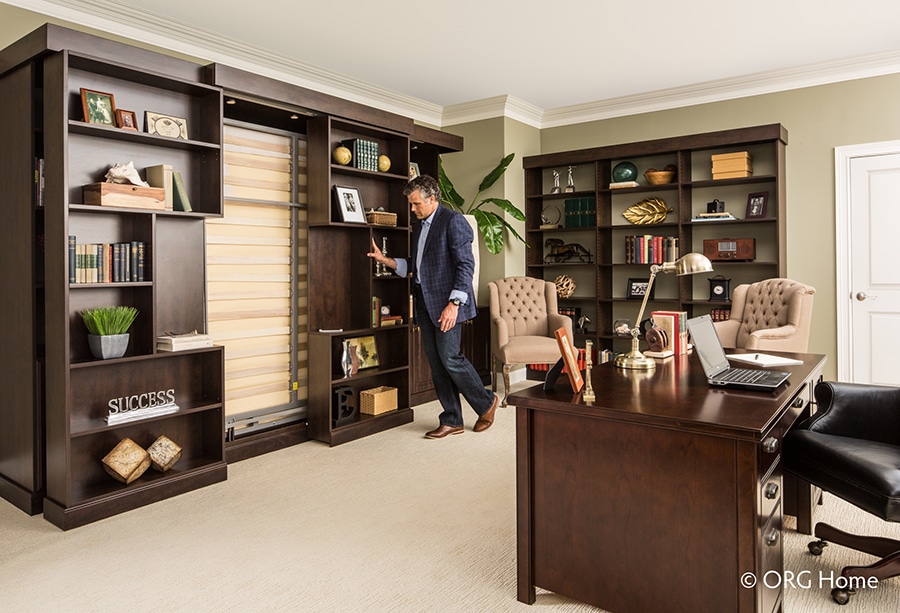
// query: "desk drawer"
[[770, 491], [770, 559], [770, 446]]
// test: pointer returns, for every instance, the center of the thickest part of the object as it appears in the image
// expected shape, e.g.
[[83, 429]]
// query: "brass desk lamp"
[[689, 264]]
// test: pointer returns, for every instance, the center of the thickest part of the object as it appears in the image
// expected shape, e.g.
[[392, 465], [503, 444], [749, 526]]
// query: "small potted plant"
[[108, 330]]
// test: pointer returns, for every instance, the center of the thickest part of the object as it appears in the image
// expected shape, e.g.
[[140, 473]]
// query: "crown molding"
[[207, 47]]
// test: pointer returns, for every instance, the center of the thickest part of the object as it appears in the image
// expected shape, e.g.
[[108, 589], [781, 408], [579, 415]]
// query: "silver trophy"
[[556, 189], [570, 184]]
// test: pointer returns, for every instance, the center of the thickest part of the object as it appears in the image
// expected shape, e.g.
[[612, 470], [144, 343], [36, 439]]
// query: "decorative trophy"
[[556, 189], [380, 269], [570, 184], [588, 394]]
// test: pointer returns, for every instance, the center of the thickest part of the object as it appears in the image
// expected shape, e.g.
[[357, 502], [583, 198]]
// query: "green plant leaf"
[[104, 321], [507, 206], [495, 174], [449, 195], [491, 228]]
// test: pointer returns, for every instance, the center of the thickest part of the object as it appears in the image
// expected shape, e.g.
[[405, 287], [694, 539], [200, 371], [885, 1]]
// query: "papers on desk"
[[763, 359]]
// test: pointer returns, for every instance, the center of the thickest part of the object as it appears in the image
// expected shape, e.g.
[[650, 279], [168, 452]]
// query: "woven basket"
[[381, 218], [659, 177], [378, 400]]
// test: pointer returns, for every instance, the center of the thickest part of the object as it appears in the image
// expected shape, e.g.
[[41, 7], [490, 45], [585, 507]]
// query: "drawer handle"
[[770, 445], [772, 537], [771, 491], [798, 402]]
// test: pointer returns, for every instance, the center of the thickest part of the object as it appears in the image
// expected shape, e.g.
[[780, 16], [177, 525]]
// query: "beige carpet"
[[393, 522]]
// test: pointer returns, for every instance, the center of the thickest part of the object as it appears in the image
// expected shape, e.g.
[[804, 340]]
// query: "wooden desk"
[[660, 495]]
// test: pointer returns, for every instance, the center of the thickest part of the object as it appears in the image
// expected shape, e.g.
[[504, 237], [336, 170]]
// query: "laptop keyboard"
[[741, 375]]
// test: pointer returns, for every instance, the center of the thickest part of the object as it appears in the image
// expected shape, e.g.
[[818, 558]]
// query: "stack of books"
[[723, 216], [181, 342], [144, 413]]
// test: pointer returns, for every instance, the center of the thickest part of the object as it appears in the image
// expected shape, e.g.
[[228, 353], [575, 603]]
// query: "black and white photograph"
[[349, 204]]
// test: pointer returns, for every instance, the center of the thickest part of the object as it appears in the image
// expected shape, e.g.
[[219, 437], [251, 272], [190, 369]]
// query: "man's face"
[[421, 208]]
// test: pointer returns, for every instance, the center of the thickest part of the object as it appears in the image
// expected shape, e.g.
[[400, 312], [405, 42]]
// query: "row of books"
[[648, 249], [364, 153], [106, 262], [38, 195], [720, 314], [580, 212]]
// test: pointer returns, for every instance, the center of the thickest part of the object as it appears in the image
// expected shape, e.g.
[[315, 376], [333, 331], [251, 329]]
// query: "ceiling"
[[545, 55]]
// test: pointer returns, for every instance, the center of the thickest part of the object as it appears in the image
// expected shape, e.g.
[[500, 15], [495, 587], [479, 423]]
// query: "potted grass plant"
[[108, 330]]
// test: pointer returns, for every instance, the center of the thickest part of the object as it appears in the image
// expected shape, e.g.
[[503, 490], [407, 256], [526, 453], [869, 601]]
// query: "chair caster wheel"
[[840, 596], [816, 547]]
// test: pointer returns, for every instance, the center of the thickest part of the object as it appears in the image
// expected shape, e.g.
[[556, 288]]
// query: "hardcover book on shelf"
[[181, 342], [679, 337], [180, 200], [160, 175]]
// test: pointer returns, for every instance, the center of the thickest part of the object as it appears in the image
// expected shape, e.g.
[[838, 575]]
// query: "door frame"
[[843, 157]]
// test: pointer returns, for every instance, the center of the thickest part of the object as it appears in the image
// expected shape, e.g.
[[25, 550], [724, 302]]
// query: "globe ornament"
[[624, 171], [342, 156], [565, 286], [384, 163]]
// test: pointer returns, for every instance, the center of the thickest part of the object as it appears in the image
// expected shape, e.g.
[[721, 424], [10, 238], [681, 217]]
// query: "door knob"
[[862, 296]]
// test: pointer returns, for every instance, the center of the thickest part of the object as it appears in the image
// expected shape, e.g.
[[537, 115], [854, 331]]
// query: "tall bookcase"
[[602, 279], [343, 280], [69, 390]]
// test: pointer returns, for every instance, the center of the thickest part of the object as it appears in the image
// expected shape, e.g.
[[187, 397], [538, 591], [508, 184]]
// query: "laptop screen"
[[707, 345]]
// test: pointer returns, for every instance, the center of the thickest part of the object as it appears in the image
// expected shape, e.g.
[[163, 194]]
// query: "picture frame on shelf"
[[413, 170], [98, 107], [127, 120], [637, 288], [756, 205], [350, 204], [366, 352], [165, 125]]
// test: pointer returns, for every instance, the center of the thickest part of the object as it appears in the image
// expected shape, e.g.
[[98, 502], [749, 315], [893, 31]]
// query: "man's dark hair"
[[426, 185]]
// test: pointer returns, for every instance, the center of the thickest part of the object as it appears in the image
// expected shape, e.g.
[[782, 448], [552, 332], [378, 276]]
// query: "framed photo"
[[637, 288], [366, 351], [126, 120], [99, 107], [349, 204], [165, 125], [570, 359], [413, 170], [756, 205]]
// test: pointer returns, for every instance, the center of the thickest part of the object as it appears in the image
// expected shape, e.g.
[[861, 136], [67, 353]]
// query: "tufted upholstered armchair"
[[523, 318], [773, 314]]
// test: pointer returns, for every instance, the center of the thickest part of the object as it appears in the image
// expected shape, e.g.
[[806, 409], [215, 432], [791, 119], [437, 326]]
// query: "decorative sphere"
[[342, 156], [565, 286], [384, 163], [624, 171]]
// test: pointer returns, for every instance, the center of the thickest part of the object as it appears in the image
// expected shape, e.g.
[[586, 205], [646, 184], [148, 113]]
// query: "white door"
[[868, 219]]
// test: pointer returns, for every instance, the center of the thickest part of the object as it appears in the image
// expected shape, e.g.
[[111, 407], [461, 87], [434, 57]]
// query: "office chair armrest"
[[558, 321], [502, 331], [776, 339], [856, 410]]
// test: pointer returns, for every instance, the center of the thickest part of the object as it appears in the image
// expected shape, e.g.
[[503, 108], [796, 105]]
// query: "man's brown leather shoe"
[[484, 422], [444, 430]]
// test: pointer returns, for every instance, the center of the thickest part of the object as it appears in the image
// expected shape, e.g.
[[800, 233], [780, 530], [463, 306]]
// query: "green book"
[[180, 200]]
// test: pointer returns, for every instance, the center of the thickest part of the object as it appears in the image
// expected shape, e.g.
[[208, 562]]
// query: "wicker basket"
[[381, 218], [659, 177], [378, 400]]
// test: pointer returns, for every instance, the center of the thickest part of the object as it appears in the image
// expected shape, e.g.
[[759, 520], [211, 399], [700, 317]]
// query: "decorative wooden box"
[[378, 400], [126, 196], [127, 461]]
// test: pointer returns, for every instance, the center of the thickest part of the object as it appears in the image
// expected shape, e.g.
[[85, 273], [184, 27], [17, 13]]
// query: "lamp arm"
[[636, 329]]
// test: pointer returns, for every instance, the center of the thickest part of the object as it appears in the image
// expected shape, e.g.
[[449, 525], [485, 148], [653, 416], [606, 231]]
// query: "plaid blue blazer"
[[447, 263]]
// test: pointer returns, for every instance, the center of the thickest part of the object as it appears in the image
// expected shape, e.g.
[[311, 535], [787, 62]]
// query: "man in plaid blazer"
[[442, 266]]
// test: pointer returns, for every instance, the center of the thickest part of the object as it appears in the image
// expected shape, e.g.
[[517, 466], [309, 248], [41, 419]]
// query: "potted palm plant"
[[490, 224], [108, 330]]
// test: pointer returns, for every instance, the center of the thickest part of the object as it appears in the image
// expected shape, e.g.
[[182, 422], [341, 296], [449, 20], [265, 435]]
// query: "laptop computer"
[[715, 363]]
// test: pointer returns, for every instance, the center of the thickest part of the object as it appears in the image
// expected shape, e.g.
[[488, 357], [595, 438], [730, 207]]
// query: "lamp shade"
[[691, 264]]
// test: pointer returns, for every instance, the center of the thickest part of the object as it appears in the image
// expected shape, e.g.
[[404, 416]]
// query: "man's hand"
[[448, 317], [376, 255]]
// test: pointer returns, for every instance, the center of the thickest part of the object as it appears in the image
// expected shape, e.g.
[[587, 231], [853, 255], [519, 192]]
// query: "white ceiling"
[[546, 56]]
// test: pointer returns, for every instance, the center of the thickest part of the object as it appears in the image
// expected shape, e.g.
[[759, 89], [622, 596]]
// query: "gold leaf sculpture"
[[647, 211]]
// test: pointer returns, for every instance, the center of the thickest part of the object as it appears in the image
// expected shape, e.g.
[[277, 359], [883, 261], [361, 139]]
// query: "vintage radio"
[[730, 249]]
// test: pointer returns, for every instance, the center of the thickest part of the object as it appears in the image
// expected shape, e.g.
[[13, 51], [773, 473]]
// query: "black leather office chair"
[[851, 448]]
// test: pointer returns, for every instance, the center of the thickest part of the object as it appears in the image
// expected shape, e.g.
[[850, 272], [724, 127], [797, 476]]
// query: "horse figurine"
[[561, 251]]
